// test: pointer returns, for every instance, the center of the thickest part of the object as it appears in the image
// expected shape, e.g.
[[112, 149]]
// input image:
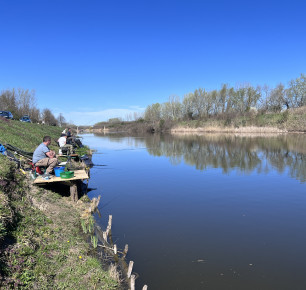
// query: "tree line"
[[22, 102], [230, 101]]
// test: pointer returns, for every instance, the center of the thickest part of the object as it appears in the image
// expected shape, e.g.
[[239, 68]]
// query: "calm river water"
[[206, 212]]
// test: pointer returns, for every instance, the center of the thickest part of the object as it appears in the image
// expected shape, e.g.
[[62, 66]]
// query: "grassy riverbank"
[[42, 246], [293, 120]]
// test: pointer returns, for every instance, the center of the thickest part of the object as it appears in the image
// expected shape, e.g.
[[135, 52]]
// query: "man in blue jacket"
[[43, 156]]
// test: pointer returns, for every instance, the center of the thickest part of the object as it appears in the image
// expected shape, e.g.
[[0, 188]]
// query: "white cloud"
[[92, 117]]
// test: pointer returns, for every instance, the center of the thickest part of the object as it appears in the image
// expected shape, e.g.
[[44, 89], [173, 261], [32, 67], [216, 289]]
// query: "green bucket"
[[67, 174]]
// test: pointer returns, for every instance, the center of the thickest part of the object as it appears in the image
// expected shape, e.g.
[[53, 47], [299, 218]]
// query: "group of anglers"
[[44, 157]]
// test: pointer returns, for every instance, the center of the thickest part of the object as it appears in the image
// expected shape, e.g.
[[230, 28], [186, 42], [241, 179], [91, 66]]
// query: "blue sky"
[[93, 60]]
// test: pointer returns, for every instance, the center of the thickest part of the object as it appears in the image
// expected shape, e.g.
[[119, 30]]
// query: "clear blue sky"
[[92, 60]]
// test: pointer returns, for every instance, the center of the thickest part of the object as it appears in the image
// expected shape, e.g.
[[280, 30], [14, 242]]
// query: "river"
[[205, 212]]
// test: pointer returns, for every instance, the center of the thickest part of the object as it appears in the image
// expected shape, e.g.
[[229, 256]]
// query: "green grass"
[[42, 247], [27, 136], [49, 251]]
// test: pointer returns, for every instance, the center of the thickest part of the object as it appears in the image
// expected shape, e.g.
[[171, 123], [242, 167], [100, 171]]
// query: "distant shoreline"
[[293, 120], [208, 129]]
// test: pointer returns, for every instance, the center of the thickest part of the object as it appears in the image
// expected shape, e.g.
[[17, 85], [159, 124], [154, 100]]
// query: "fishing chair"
[[38, 169]]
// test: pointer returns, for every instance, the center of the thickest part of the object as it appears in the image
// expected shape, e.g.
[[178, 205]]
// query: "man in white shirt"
[[62, 143], [62, 140]]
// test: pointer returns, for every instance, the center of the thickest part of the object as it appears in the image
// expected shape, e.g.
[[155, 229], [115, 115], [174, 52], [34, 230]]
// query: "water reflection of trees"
[[244, 153]]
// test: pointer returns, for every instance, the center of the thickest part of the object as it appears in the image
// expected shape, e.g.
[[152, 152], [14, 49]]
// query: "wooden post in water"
[[109, 226], [133, 282], [129, 272], [94, 203], [99, 232], [105, 236], [126, 248]]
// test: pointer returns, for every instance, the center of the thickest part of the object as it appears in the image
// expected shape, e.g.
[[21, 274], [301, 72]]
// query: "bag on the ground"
[[87, 160], [67, 150], [79, 143], [2, 150]]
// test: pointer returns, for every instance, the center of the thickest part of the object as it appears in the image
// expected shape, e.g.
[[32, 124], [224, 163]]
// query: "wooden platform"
[[70, 155], [78, 175]]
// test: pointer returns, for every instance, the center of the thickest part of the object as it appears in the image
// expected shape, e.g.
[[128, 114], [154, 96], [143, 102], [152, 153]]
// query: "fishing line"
[[102, 168]]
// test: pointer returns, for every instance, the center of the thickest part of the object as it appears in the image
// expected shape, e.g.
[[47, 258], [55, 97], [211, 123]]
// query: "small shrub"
[[228, 122]]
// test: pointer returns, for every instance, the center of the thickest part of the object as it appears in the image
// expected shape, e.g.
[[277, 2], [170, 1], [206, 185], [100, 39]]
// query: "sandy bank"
[[210, 129]]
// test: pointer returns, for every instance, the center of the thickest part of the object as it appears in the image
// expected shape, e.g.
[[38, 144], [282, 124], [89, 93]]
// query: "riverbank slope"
[[41, 242]]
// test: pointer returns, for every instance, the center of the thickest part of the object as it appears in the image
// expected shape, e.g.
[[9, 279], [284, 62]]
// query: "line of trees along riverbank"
[[229, 101], [291, 120], [246, 106]]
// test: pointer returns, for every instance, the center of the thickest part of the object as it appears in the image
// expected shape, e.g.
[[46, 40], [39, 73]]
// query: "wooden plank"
[[78, 175], [70, 155], [74, 192]]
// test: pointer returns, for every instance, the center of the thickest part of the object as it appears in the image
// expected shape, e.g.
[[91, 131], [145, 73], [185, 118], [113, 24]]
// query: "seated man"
[[62, 140], [43, 156], [62, 143], [70, 137]]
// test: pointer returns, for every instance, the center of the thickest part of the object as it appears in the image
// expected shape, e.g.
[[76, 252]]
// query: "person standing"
[[43, 156]]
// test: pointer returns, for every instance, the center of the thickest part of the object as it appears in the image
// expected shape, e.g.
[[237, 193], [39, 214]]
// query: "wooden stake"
[[105, 236], [129, 272], [98, 232], [133, 282], [99, 197], [115, 249], [74, 192], [109, 226], [110, 218], [126, 248], [145, 287]]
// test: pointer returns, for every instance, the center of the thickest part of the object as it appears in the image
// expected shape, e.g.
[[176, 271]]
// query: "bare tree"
[[276, 99], [48, 118], [187, 109], [26, 101], [8, 102], [35, 115], [153, 112], [175, 107], [20, 102], [61, 120], [198, 103]]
